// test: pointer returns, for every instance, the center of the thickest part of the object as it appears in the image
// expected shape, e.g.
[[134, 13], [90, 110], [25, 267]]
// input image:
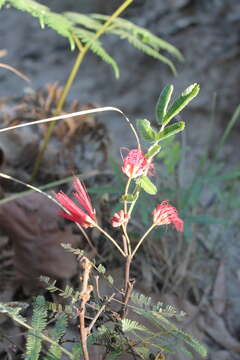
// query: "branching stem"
[[128, 286], [84, 298], [142, 238], [111, 239]]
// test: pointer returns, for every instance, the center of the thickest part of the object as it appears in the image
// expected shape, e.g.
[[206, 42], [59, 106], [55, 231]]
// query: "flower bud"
[[135, 164], [119, 218]]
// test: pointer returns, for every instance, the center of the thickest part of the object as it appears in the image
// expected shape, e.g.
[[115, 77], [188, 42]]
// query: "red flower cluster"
[[86, 217], [135, 164], [119, 218], [165, 214]]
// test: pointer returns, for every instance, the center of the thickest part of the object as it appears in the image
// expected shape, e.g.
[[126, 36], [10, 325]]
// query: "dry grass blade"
[[15, 71], [78, 113]]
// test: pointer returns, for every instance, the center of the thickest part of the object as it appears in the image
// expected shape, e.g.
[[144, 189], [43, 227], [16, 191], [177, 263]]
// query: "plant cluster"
[[99, 321], [124, 322]]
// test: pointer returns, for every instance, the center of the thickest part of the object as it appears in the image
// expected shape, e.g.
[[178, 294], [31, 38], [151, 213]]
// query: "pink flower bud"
[[119, 218], [165, 214], [135, 164]]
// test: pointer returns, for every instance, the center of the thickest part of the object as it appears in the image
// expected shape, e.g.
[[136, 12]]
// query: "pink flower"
[[135, 164], [86, 216], [165, 214], [119, 218]]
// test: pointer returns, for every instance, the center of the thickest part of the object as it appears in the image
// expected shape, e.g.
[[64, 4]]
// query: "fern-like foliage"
[[56, 334], [68, 292], [69, 310], [145, 302], [130, 325], [142, 34], [12, 309], [84, 27], [176, 336], [142, 39], [69, 248], [158, 315], [39, 323]]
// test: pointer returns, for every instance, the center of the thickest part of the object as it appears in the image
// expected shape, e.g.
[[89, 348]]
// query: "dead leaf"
[[31, 223]]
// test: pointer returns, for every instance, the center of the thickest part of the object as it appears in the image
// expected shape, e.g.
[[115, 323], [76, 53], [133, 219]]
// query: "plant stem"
[[127, 272], [128, 286], [142, 238], [111, 239], [126, 239], [124, 226], [73, 73], [99, 313], [134, 202], [126, 194], [84, 297], [44, 337]]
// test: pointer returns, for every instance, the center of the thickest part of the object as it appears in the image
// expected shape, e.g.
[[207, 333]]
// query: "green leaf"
[[147, 185], [172, 157], [229, 127], [76, 351], [170, 130], [110, 279], [163, 101], [153, 151], [129, 198], [181, 102], [39, 322], [101, 269], [84, 20], [57, 333], [146, 131], [130, 325]]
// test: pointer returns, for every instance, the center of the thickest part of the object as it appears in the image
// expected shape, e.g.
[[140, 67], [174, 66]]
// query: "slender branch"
[[126, 240], [125, 243], [78, 42], [84, 298], [142, 238], [111, 239], [128, 286], [134, 202], [99, 313], [127, 272], [126, 193], [87, 238]]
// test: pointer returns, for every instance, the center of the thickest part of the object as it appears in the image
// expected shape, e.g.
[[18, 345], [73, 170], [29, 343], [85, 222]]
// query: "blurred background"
[[199, 171]]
